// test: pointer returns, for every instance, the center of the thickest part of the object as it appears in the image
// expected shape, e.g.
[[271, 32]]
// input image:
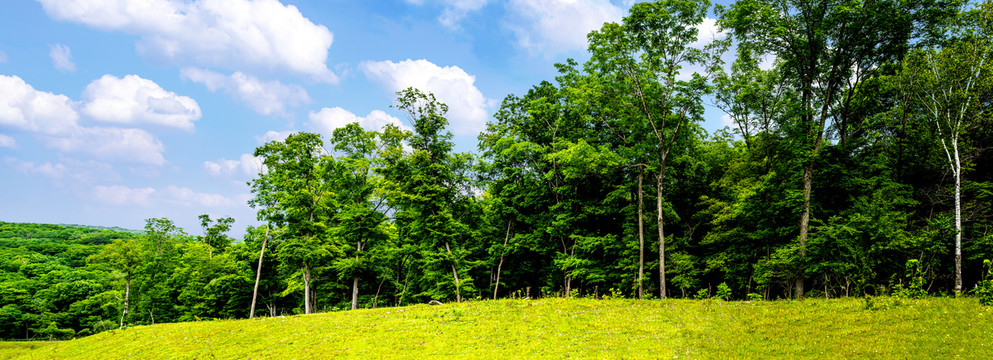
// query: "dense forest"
[[857, 164]]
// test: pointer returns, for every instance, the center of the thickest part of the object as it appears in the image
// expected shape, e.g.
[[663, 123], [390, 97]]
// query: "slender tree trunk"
[[455, 274], [958, 218], [355, 293], [506, 239], [375, 300], [127, 299], [258, 273], [641, 236], [306, 289], [355, 279], [661, 219], [808, 178]]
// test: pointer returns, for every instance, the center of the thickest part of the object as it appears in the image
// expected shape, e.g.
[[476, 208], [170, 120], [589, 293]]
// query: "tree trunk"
[[127, 296], [641, 236], [375, 299], [958, 218], [808, 179], [258, 273], [306, 289], [455, 274], [355, 279], [658, 203], [506, 239], [355, 293]]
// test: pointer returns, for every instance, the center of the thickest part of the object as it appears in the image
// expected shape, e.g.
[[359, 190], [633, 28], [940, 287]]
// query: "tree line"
[[856, 164]]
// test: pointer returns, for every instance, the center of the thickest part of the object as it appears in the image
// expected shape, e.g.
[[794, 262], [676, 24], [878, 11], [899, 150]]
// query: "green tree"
[[125, 257], [295, 193], [951, 83], [643, 59], [828, 49]]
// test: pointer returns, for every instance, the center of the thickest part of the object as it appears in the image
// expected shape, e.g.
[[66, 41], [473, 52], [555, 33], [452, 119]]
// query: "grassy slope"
[[561, 328]]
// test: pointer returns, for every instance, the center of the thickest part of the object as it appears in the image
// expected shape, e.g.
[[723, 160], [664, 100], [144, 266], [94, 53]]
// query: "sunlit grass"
[[564, 328]]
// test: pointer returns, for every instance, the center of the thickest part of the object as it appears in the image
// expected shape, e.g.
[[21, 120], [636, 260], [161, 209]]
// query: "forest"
[[857, 164]]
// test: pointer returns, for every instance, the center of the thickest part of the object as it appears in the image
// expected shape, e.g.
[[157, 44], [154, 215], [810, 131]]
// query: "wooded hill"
[[857, 163]]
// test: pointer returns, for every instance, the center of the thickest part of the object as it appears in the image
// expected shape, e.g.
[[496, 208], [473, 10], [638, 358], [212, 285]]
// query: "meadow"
[[564, 328]]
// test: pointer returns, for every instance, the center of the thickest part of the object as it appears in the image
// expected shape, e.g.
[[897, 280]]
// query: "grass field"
[[563, 328]]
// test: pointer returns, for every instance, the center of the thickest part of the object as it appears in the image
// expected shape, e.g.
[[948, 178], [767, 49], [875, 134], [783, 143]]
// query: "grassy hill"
[[563, 328]]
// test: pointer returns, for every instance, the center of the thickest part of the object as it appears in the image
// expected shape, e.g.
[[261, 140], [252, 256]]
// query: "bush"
[[723, 292]]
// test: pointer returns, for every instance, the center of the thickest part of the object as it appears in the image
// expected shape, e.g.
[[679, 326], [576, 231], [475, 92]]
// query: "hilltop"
[[563, 328]]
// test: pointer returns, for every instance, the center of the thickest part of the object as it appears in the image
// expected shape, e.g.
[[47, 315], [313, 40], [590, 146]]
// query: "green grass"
[[564, 328]]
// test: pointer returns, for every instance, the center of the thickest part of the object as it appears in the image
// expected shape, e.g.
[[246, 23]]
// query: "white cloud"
[[23, 107], [274, 136], [121, 195], [132, 99], [232, 34], [7, 141], [454, 10], [188, 197], [551, 27], [468, 109], [147, 196], [708, 31], [266, 98], [329, 119], [127, 145], [726, 120], [77, 171], [61, 58], [247, 165]]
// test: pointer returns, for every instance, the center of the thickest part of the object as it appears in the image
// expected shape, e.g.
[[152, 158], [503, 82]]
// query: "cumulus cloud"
[[328, 119], [127, 145], [468, 108], [54, 119], [147, 196], [61, 58], [22, 107], [247, 165], [708, 31], [551, 27], [232, 34], [266, 98], [66, 169], [7, 141], [188, 197], [272, 135], [132, 99], [454, 10], [123, 195]]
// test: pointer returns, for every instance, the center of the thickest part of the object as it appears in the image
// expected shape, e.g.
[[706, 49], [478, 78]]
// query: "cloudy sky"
[[114, 111]]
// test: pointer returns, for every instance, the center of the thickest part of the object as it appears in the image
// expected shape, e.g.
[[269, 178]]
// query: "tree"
[[214, 235], [430, 190], [124, 256], [643, 58], [360, 224], [828, 49], [951, 82], [295, 192]]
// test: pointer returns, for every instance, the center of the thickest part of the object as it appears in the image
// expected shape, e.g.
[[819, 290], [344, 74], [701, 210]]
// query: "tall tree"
[[828, 48], [951, 82], [294, 192], [429, 187], [644, 56], [124, 256]]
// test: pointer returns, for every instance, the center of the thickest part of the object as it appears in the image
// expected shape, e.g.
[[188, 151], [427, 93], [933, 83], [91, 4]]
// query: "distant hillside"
[[114, 228], [563, 328]]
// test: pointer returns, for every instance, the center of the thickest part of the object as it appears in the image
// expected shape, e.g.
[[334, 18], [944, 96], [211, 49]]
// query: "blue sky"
[[114, 111]]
